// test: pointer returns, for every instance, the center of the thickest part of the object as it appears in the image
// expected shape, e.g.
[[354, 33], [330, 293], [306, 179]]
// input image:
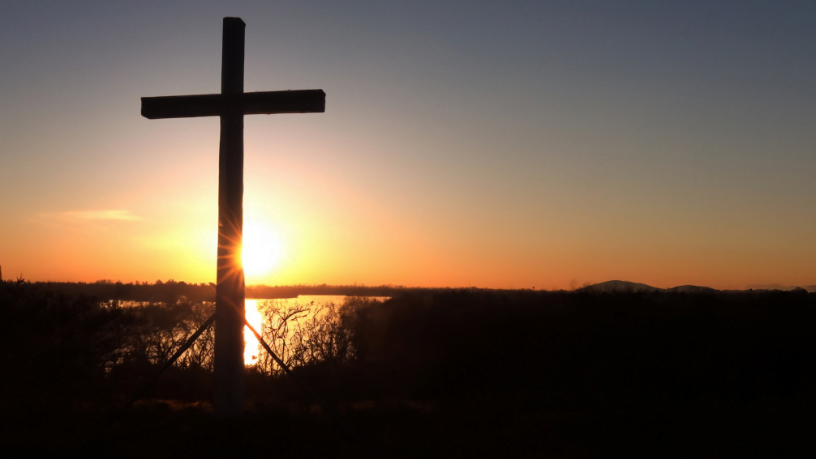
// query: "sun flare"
[[261, 250]]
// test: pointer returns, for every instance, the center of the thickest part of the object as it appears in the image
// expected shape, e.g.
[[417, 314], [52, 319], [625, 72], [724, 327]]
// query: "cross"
[[231, 105]]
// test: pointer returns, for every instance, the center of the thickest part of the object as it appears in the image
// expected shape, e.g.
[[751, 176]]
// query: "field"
[[433, 373]]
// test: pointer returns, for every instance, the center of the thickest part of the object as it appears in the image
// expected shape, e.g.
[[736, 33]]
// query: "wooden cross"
[[231, 105]]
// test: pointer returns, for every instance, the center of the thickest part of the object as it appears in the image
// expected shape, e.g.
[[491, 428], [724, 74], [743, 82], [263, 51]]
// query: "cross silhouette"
[[231, 105]]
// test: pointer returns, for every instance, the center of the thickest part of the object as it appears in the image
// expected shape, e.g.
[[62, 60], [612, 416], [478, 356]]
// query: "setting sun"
[[261, 250]]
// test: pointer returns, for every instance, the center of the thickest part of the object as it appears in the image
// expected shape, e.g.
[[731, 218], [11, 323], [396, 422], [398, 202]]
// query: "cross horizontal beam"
[[249, 103]]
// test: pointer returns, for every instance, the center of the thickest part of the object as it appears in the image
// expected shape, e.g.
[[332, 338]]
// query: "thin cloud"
[[92, 215]]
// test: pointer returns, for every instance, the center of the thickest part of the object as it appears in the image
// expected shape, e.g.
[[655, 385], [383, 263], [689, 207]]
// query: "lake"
[[254, 317]]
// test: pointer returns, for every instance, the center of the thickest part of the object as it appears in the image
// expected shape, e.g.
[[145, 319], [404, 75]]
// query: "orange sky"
[[505, 146]]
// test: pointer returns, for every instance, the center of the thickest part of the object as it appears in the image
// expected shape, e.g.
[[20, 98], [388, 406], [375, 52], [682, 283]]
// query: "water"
[[312, 303], [254, 317]]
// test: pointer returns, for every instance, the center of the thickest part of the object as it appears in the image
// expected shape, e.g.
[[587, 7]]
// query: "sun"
[[261, 250]]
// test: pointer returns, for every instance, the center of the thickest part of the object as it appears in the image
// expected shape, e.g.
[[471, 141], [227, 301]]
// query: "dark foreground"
[[472, 426], [455, 373]]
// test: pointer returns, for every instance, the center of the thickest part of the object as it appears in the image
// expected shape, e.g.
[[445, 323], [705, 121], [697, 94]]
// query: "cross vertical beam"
[[229, 291]]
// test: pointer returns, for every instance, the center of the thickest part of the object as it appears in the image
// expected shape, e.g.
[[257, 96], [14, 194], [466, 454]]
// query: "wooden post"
[[229, 291]]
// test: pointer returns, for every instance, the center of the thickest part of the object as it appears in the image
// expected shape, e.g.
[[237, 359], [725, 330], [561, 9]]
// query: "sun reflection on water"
[[251, 349]]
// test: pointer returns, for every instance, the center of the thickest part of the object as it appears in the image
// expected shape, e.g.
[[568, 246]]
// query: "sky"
[[512, 144]]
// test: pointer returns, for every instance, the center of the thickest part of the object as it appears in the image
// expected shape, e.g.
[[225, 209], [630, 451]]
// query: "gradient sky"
[[489, 144]]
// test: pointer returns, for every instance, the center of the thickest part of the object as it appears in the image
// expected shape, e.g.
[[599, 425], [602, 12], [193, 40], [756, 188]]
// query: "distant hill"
[[691, 289], [624, 286], [618, 286], [615, 286]]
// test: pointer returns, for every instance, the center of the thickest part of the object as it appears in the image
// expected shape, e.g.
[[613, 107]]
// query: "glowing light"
[[261, 250], [252, 346]]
